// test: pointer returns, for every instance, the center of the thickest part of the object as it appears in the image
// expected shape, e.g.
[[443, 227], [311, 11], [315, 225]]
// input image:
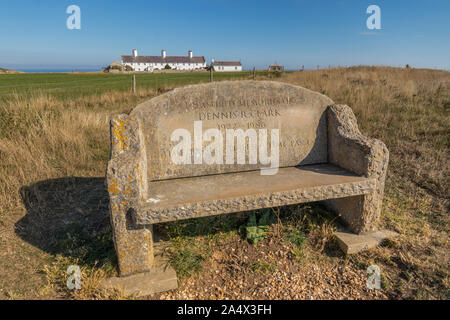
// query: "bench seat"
[[185, 198]]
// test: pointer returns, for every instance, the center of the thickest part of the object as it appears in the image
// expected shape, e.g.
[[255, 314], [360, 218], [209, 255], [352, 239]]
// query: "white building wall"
[[227, 68], [175, 66]]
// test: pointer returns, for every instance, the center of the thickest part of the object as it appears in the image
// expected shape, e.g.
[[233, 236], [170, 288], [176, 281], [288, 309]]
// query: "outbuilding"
[[224, 66], [276, 68]]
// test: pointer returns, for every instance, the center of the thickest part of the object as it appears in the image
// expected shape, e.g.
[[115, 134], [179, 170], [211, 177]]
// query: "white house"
[[223, 66], [150, 63]]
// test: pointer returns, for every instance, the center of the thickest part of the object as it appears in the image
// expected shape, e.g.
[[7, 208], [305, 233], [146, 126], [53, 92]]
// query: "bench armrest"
[[350, 150], [126, 179], [127, 168], [367, 157]]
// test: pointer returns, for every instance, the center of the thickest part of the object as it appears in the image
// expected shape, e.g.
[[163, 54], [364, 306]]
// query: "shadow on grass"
[[69, 216], [205, 226]]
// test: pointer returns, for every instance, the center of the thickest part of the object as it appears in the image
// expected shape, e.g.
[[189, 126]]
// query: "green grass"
[[296, 237], [67, 85], [263, 266], [190, 241], [186, 256]]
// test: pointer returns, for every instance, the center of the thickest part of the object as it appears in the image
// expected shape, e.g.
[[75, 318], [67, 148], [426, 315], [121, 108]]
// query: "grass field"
[[54, 147], [68, 85]]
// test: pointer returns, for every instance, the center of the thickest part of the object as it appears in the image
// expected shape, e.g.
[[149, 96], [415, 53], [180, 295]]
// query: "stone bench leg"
[[134, 245], [360, 213], [350, 150], [126, 180]]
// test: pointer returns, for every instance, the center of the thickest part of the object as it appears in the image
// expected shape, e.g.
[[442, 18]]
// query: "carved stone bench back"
[[298, 113]]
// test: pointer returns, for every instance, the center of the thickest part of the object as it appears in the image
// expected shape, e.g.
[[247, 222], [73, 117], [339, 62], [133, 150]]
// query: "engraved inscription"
[[296, 125], [238, 114], [296, 113], [239, 103]]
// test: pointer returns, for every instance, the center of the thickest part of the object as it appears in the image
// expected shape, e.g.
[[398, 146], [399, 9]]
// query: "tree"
[[167, 67]]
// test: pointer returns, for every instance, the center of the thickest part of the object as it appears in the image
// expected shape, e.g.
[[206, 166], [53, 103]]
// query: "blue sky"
[[33, 33]]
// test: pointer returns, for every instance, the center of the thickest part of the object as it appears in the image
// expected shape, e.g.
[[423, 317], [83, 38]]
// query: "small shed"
[[276, 68]]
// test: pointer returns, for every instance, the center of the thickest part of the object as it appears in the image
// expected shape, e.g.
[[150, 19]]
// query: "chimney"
[[212, 61], [134, 53], [163, 53], [190, 54]]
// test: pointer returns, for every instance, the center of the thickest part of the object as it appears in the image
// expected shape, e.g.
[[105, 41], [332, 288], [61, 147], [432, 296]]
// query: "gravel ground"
[[269, 270]]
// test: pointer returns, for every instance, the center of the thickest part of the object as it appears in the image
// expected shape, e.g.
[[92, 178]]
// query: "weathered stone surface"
[[297, 112], [336, 162], [351, 243], [367, 157], [185, 198], [160, 278], [127, 182]]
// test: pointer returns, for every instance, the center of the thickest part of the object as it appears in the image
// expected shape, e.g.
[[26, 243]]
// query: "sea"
[[57, 70]]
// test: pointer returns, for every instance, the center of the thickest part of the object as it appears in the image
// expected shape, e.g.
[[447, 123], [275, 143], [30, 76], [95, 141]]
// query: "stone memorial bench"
[[321, 156]]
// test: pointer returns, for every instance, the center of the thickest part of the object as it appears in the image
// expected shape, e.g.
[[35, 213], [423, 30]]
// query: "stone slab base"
[[352, 243], [161, 278]]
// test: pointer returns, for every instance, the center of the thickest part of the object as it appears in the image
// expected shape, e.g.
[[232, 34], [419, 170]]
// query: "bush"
[[128, 68], [167, 67], [278, 74], [116, 68]]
